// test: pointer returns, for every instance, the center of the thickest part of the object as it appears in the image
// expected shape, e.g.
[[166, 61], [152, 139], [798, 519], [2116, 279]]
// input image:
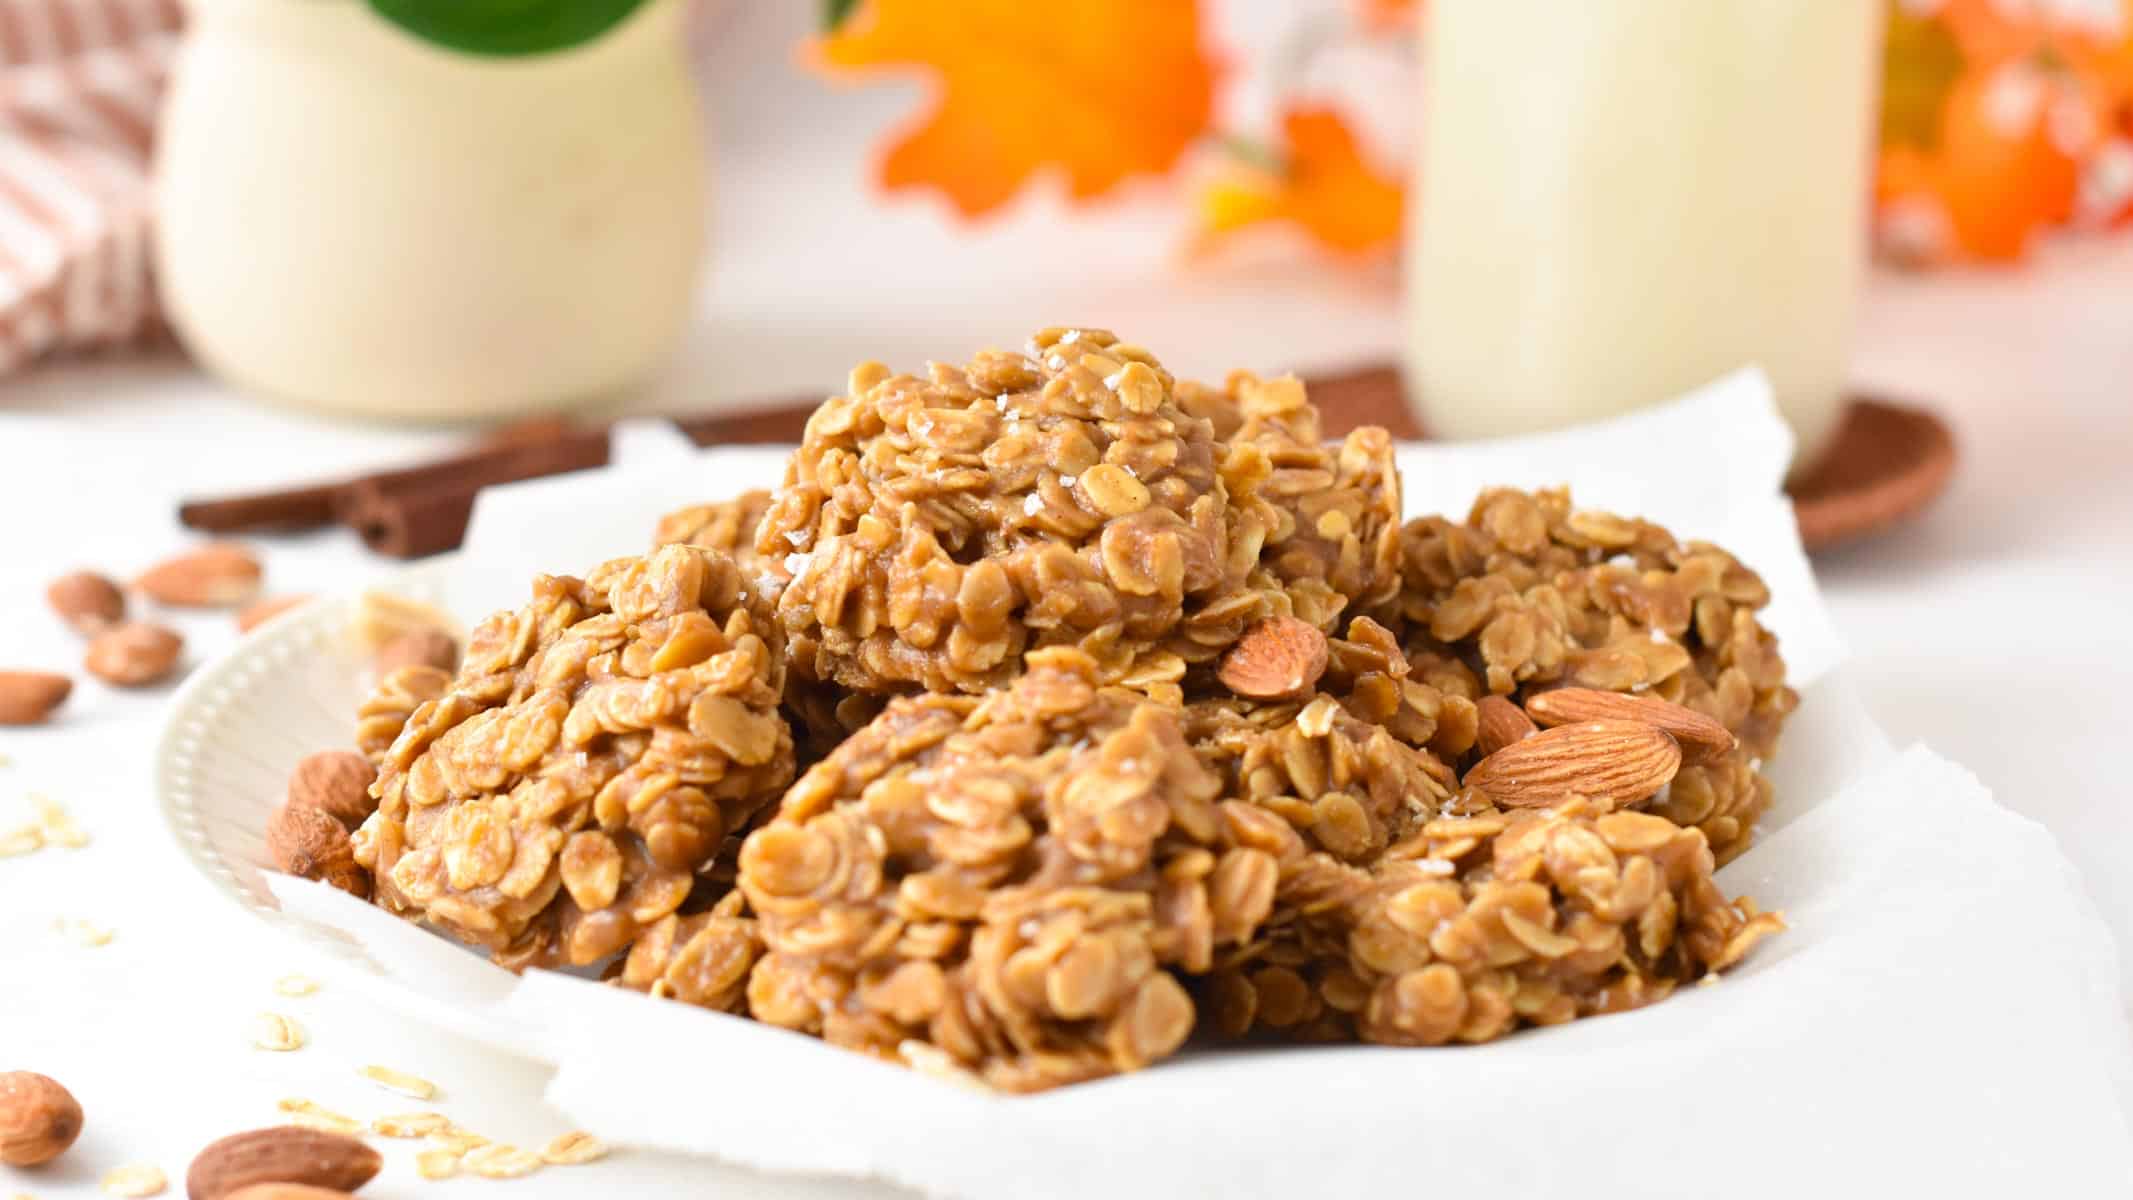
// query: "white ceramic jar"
[[1619, 200], [356, 219]]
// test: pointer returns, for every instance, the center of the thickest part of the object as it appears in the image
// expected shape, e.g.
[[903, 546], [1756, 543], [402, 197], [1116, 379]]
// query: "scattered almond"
[[287, 1191], [39, 1119], [1278, 659], [280, 1154], [28, 697], [419, 648], [273, 1031], [88, 602], [337, 783], [306, 842], [134, 654], [1702, 738], [261, 611], [1611, 763], [1500, 724], [216, 575], [400, 1081], [134, 1181]]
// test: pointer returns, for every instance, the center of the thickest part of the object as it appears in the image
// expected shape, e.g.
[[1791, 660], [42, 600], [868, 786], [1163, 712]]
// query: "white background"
[[1995, 627]]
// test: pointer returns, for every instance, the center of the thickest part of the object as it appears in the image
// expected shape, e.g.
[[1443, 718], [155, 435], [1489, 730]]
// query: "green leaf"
[[505, 28], [1920, 63], [835, 13]]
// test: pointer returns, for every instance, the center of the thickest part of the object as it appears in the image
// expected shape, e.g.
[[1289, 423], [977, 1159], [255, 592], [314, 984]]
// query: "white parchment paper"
[[1941, 1019]]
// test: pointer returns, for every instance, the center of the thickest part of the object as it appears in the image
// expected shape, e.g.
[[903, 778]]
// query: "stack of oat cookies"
[[1054, 709]]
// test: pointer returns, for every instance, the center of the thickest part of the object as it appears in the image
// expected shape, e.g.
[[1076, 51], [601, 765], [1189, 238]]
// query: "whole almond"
[[39, 1119], [134, 654], [283, 1154], [288, 1191], [417, 648], [216, 575], [337, 783], [88, 602], [1277, 659], [1500, 723], [1702, 738], [261, 611], [28, 697], [1612, 763], [306, 842]]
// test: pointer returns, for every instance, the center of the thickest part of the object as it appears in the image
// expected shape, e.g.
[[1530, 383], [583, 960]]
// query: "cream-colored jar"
[[1622, 199], [354, 219]]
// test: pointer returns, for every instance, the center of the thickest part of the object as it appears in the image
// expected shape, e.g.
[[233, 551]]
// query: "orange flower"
[[1321, 184], [1097, 89]]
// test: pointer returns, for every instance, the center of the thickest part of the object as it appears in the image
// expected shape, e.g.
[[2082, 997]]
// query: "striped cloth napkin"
[[79, 85]]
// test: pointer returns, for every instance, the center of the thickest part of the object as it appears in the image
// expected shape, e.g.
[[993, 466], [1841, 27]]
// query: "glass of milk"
[[356, 218], [1618, 200]]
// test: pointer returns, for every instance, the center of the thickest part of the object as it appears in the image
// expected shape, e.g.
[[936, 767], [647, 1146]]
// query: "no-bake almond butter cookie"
[[938, 528], [1009, 879], [596, 748], [1530, 593]]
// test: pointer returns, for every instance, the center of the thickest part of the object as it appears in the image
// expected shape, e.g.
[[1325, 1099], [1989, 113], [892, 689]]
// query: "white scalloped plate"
[[234, 731]]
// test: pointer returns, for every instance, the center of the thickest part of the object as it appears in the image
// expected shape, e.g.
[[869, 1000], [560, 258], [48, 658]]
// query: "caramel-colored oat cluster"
[[1481, 923], [1530, 593], [727, 526], [596, 748], [1009, 878], [1133, 709], [1335, 544], [939, 528]]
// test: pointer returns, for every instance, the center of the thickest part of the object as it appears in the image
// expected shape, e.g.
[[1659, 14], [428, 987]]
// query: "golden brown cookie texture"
[[1008, 880], [596, 748], [939, 527], [1531, 593]]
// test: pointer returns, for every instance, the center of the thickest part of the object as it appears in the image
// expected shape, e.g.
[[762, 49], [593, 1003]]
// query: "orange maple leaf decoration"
[[1322, 184], [1101, 89]]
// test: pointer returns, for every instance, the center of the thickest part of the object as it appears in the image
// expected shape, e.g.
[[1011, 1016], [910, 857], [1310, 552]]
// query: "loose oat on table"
[[500, 1160], [410, 1125], [400, 1081], [438, 1164], [273, 1031], [134, 1181], [57, 823], [938, 528], [595, 750], [572, 1149], [86, 934], [1010, 878], [295, 985], [313, 1116], [1530, 593], [23, 839]]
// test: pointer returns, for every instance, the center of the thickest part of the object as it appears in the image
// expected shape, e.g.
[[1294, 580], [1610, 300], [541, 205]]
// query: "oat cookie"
[[1335, 545], [938, 528], [727, 526], [1009, 879], [1481, 924], [597, 747], [1530, 593]]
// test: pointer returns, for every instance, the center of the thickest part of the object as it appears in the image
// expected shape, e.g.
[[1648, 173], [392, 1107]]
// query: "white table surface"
[[1995, 627]]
